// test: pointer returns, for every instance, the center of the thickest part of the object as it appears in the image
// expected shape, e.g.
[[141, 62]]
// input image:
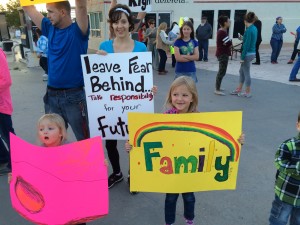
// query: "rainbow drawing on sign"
[[211, 131]]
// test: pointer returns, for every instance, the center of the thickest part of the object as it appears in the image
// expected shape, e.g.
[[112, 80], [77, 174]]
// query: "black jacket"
[[258, 26]]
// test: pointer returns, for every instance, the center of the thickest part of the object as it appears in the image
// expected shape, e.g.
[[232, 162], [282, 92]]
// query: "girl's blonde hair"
[[161, 27], [58, 121], [191, 86]]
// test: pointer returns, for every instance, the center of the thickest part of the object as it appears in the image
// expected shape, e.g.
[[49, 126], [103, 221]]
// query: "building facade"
[[171, 10]]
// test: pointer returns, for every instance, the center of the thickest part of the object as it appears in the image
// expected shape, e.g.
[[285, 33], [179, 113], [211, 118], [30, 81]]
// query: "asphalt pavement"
[[269, 118]]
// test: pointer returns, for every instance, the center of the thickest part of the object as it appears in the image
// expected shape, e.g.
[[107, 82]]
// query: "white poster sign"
[[137, 5], [116, 84]]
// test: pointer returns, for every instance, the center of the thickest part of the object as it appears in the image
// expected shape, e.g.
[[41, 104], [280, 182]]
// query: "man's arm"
[[140, 16], [81, 15], [35, 15]]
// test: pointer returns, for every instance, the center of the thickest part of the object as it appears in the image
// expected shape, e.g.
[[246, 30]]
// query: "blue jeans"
[[5, 128], [281, 213], [203, 49], [276, 48], [295, 70], [71, 105], [170, 206], [188, 74]]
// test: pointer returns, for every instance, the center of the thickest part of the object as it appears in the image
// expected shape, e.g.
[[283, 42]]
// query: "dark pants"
[[170, 206], [276, 48], [70, 104], [257, 52], [173, 60], [223, 63], [203, 50], [162, 60], [5, 128], [113, 155], [44, 64], [295, 51]]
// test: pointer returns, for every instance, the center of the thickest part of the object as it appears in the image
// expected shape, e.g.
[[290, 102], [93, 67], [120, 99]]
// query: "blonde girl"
[[181, 98]]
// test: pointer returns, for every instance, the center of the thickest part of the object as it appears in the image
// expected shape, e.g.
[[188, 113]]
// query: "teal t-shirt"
[[109, 48]]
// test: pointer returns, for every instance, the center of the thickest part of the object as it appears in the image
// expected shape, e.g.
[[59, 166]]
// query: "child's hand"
[[9, 178], [128, 147], [106, 162], [101, 52], [241, 139], [154, 90]]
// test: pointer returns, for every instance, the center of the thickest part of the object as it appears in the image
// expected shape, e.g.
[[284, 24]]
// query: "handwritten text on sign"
[[33, 2], [184, 152], [137, 5], [115, 85]]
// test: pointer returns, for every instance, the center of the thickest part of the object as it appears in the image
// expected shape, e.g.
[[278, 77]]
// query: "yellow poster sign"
[[33, 2], [177, 153]]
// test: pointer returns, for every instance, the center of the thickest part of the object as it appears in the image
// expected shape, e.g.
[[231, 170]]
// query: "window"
[[239, 26], [223, 13], [210, 18], [95, 20]]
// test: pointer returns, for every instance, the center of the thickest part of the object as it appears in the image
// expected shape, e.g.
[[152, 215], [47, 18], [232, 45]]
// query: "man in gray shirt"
[[203, 34]]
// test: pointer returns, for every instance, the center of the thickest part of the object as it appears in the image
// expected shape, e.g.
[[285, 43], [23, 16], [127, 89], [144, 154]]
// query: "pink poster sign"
[[59, 185]]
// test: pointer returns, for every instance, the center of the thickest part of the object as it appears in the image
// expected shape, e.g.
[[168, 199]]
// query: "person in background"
[[162, 44], [258, 26], [296, 50], [141, 34], [172, 36], [286, 205], [223, 52], [203, 34], [151, 45], [248, 54], [277, 39], [6, 110], [186, 52], [42, 52], [295, 70]]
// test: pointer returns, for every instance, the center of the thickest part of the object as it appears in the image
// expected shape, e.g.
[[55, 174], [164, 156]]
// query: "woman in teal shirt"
[[248, 54], [121, 24]]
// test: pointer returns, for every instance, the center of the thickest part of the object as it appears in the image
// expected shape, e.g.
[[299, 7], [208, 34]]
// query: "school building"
[[171, 10]]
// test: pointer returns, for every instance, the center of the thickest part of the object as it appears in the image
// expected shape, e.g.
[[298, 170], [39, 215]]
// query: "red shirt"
[[224, 43]]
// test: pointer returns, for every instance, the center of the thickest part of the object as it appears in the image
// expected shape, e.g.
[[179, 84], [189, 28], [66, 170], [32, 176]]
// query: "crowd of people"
[[65, 101]]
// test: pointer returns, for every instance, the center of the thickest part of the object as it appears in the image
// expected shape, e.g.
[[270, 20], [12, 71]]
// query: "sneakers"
[[45, 77], [189, 222], [219, 93], [114, 179], [245, 95], [235, 92], [290, 61], [128, 181]]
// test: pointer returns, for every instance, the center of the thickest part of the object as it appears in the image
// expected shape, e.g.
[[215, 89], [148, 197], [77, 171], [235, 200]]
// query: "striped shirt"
[[42, 46], [287, 161]]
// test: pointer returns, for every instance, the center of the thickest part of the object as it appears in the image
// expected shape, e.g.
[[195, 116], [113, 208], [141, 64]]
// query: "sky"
[[40, 7]]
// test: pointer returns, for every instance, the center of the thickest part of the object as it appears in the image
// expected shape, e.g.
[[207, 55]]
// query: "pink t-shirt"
[[5, 83]]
